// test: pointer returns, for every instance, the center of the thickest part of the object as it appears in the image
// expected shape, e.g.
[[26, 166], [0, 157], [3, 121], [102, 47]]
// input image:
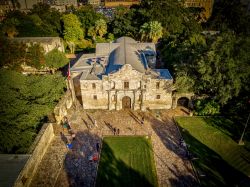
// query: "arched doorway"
[[126, 102], [183, 101]]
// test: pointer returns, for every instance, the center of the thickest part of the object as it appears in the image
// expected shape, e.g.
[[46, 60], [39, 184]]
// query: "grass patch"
[[126, 161], [221, 159]]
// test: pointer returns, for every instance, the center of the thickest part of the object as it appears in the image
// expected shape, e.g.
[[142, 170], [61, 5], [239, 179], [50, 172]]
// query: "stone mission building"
[[122, 75]]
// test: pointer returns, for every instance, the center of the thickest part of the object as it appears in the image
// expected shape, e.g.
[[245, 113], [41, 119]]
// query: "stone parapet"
[[62, 107], [37, 151]]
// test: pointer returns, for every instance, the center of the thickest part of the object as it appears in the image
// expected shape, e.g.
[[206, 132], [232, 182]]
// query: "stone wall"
[[62, 107], [37, 151], [47, 43]]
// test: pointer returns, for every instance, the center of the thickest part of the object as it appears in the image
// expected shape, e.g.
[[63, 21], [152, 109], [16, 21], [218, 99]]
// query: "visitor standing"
[[118, 132], [97, 147], [95, 123], [114, 131], [142, 120]]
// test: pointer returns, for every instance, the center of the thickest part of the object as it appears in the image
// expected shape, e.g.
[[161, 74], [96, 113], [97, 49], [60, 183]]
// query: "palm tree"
[[101, 27], [152, 31]]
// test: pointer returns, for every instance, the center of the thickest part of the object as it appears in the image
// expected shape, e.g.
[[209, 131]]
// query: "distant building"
[[48, 43], [122, 75], [94, 2], [206, 4], [61, 5], [115, 3], [26, 5], [5, 6]]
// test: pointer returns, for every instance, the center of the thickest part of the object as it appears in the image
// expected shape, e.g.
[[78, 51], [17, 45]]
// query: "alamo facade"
[[122, 75]]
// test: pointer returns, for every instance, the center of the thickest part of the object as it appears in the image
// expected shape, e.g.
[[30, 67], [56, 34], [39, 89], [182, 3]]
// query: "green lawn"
[[126, 161], [221, 159]]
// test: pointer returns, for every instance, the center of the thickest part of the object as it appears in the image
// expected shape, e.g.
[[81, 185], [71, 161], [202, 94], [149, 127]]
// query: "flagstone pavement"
[[63, 167]]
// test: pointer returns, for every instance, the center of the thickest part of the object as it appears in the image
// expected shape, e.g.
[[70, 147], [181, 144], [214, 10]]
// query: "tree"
[[92, 33], [122, 24], [55, 59], [206, 107], [10, 30], [221, 71], [25, 103], [88, 16], [230, 14], [152, 31], [173, 16], [35, 56], [72, 30], [101, 27], [10, 59]]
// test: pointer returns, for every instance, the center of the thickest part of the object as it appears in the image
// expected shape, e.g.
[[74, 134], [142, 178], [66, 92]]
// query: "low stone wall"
[[37, 151], [62, 107]]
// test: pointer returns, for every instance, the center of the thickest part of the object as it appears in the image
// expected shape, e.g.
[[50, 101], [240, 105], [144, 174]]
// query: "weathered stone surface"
[[38, 150]]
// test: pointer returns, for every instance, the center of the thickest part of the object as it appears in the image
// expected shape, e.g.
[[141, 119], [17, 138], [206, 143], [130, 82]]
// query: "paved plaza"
[[71, 167]]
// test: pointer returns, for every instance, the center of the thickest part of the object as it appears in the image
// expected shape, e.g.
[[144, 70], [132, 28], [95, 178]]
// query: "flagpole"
[[70, 85], [243, 133]]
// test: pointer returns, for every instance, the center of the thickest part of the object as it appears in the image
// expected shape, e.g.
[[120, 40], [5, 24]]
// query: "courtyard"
[[61, 166]]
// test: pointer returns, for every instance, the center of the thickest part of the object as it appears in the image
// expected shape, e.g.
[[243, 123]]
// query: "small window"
[[126, 85], [93, 86], [158, 96], [145, 86], [157, 85], [113, 85], [95, 97]]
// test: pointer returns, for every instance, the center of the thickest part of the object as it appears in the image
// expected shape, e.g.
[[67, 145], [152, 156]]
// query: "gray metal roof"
[[126, 54], [110, 57], [163, 74], [10, 167]]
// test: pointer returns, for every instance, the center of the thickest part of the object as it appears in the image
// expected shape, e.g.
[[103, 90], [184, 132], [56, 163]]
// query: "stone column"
[[109, 108], [134, 100], [116, 104], [174, 102], [72, 89], [142, 97]]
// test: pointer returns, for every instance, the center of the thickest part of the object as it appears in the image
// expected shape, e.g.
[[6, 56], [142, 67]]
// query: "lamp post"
[[243, 133]]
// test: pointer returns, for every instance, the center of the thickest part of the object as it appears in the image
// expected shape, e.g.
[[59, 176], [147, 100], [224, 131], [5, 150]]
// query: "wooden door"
[[126, 102]]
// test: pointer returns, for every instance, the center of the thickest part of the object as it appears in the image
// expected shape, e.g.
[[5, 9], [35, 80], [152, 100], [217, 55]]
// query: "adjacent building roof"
[[11, 166]]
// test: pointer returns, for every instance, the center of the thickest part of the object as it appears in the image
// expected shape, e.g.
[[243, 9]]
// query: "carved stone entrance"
[[126, 102]]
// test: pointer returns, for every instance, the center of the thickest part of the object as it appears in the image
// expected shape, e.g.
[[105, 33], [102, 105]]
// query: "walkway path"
[[63, 167]]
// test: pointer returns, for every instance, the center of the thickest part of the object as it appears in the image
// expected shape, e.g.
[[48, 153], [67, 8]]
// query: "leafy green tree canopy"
[[72, 30], [25, 103], [55, 59], [151, 31]]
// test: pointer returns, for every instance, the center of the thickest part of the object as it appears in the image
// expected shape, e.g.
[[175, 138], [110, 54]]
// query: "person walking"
[[95, 123]]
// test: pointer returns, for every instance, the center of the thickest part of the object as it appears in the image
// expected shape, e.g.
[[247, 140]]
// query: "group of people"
[[69, 144], [66, 126], [116, 131]]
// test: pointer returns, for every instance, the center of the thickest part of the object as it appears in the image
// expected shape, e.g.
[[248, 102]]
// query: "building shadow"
[[210, 167], [78, 170], [167, 132]]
